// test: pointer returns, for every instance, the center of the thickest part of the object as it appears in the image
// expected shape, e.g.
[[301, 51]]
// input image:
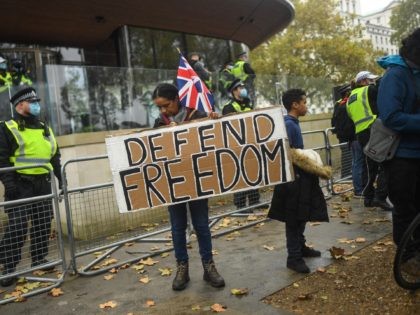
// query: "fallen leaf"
[[163, 255], [214, 252], [125, 266], [218, 308], [129, 244], [97, 253], [56, 292], [321, 269], [149, 261], [114, 270], [150, 303], [165, 271], [109, 262], [108, 277], [154, 248], [225, 223], [240, 291], [360, 240], [332, 270], [32, 285], [145, 280], [252, 217], [137, 267], [296, 285], [336, 252], [324, 297], [268, 247], [39, 273], [109, 304]]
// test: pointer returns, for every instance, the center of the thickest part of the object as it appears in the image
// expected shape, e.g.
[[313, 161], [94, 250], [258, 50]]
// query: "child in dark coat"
[[302, 200]]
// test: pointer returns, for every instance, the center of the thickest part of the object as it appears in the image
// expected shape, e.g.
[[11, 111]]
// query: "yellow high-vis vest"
[[238, 70], [238, 108], [359, 110], [33, 148]]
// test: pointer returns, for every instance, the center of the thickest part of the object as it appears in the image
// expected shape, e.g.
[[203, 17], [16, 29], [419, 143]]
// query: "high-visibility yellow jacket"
[[33, 148], [238, 70], [359, 109]]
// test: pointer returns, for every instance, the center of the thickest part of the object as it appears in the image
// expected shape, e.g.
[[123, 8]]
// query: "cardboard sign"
[[199, 159]]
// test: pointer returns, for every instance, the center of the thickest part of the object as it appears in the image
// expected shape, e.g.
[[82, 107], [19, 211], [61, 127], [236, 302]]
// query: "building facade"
[[376, 24]]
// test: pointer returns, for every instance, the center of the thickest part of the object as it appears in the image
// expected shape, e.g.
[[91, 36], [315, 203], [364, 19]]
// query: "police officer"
[[19, 74], [239, 103], [225, 79], [196, 62], [243, 71], [25, 141], [5, 85], [362, 109]]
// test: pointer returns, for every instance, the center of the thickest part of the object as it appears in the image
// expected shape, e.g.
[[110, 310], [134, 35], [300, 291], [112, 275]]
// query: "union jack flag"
[[193, 93]]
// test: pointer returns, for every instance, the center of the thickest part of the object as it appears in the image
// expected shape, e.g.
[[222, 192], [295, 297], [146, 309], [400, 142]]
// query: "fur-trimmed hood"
[[310, 161]]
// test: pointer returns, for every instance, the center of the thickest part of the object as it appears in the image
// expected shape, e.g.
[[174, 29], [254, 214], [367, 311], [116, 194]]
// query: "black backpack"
[[342, 124]]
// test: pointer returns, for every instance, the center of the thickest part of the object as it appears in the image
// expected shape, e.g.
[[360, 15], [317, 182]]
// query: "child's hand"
[[214, 115]]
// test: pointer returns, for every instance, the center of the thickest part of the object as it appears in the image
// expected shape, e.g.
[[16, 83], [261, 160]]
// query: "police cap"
[[26, 94]]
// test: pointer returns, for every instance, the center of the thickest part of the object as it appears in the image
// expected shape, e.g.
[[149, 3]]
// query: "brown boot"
[[182, 277], [211, 275]]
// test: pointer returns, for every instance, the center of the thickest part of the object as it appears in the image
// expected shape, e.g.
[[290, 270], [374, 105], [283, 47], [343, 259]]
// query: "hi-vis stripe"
[[21, 144]]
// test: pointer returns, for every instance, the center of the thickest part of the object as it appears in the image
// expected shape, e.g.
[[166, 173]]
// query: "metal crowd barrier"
[[96, 229], [32, 280], [100, 238]]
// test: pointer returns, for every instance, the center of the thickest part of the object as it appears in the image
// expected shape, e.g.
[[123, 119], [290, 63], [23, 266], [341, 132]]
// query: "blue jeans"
[[295, 240], [200, 219], [357, 163]]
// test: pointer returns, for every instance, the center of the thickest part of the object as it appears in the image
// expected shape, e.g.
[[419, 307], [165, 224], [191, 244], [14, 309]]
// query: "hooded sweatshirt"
[[399, 105]]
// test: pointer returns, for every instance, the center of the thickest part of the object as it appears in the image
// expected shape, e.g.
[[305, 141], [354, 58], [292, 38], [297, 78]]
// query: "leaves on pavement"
[[150, 303], [165, 271], [108, 277], [149, 261], [109, 304], [336, 252], [217, 308], [145, 279], [56, 292], [240, 291]]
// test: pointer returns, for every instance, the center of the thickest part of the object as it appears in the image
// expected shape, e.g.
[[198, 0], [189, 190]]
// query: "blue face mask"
[[243, 93], [34, 108]]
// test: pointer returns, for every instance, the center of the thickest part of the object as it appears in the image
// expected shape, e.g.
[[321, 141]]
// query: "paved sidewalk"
[[243, 262]]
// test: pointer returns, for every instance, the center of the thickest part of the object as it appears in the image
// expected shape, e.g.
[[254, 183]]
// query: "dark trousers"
[[199, 211], [372, 171], [239, 198], [295, 240], [40, 214], [403, 177]]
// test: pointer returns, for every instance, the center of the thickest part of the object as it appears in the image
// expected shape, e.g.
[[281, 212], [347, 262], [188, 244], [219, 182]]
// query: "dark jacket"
[[399, 106], [302, 199]]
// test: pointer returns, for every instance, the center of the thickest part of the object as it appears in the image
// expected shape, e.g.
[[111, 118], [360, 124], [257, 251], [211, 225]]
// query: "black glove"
[[11, 191]]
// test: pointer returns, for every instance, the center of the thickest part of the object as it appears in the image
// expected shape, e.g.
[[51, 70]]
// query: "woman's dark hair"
[[166, 90], [410, 48], [290, 96]]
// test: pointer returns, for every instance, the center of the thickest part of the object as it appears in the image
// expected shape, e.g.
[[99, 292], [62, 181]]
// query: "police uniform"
[[243, 71], [240, 106], [25, 141]]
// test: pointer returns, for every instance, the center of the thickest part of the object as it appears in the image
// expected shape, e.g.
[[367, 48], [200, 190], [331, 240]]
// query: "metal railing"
[[96, 230], [35, 214]]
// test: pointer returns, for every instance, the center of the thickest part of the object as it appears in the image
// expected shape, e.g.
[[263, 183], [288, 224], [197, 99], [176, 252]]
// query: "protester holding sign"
[[166, 98], [300, 201]]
